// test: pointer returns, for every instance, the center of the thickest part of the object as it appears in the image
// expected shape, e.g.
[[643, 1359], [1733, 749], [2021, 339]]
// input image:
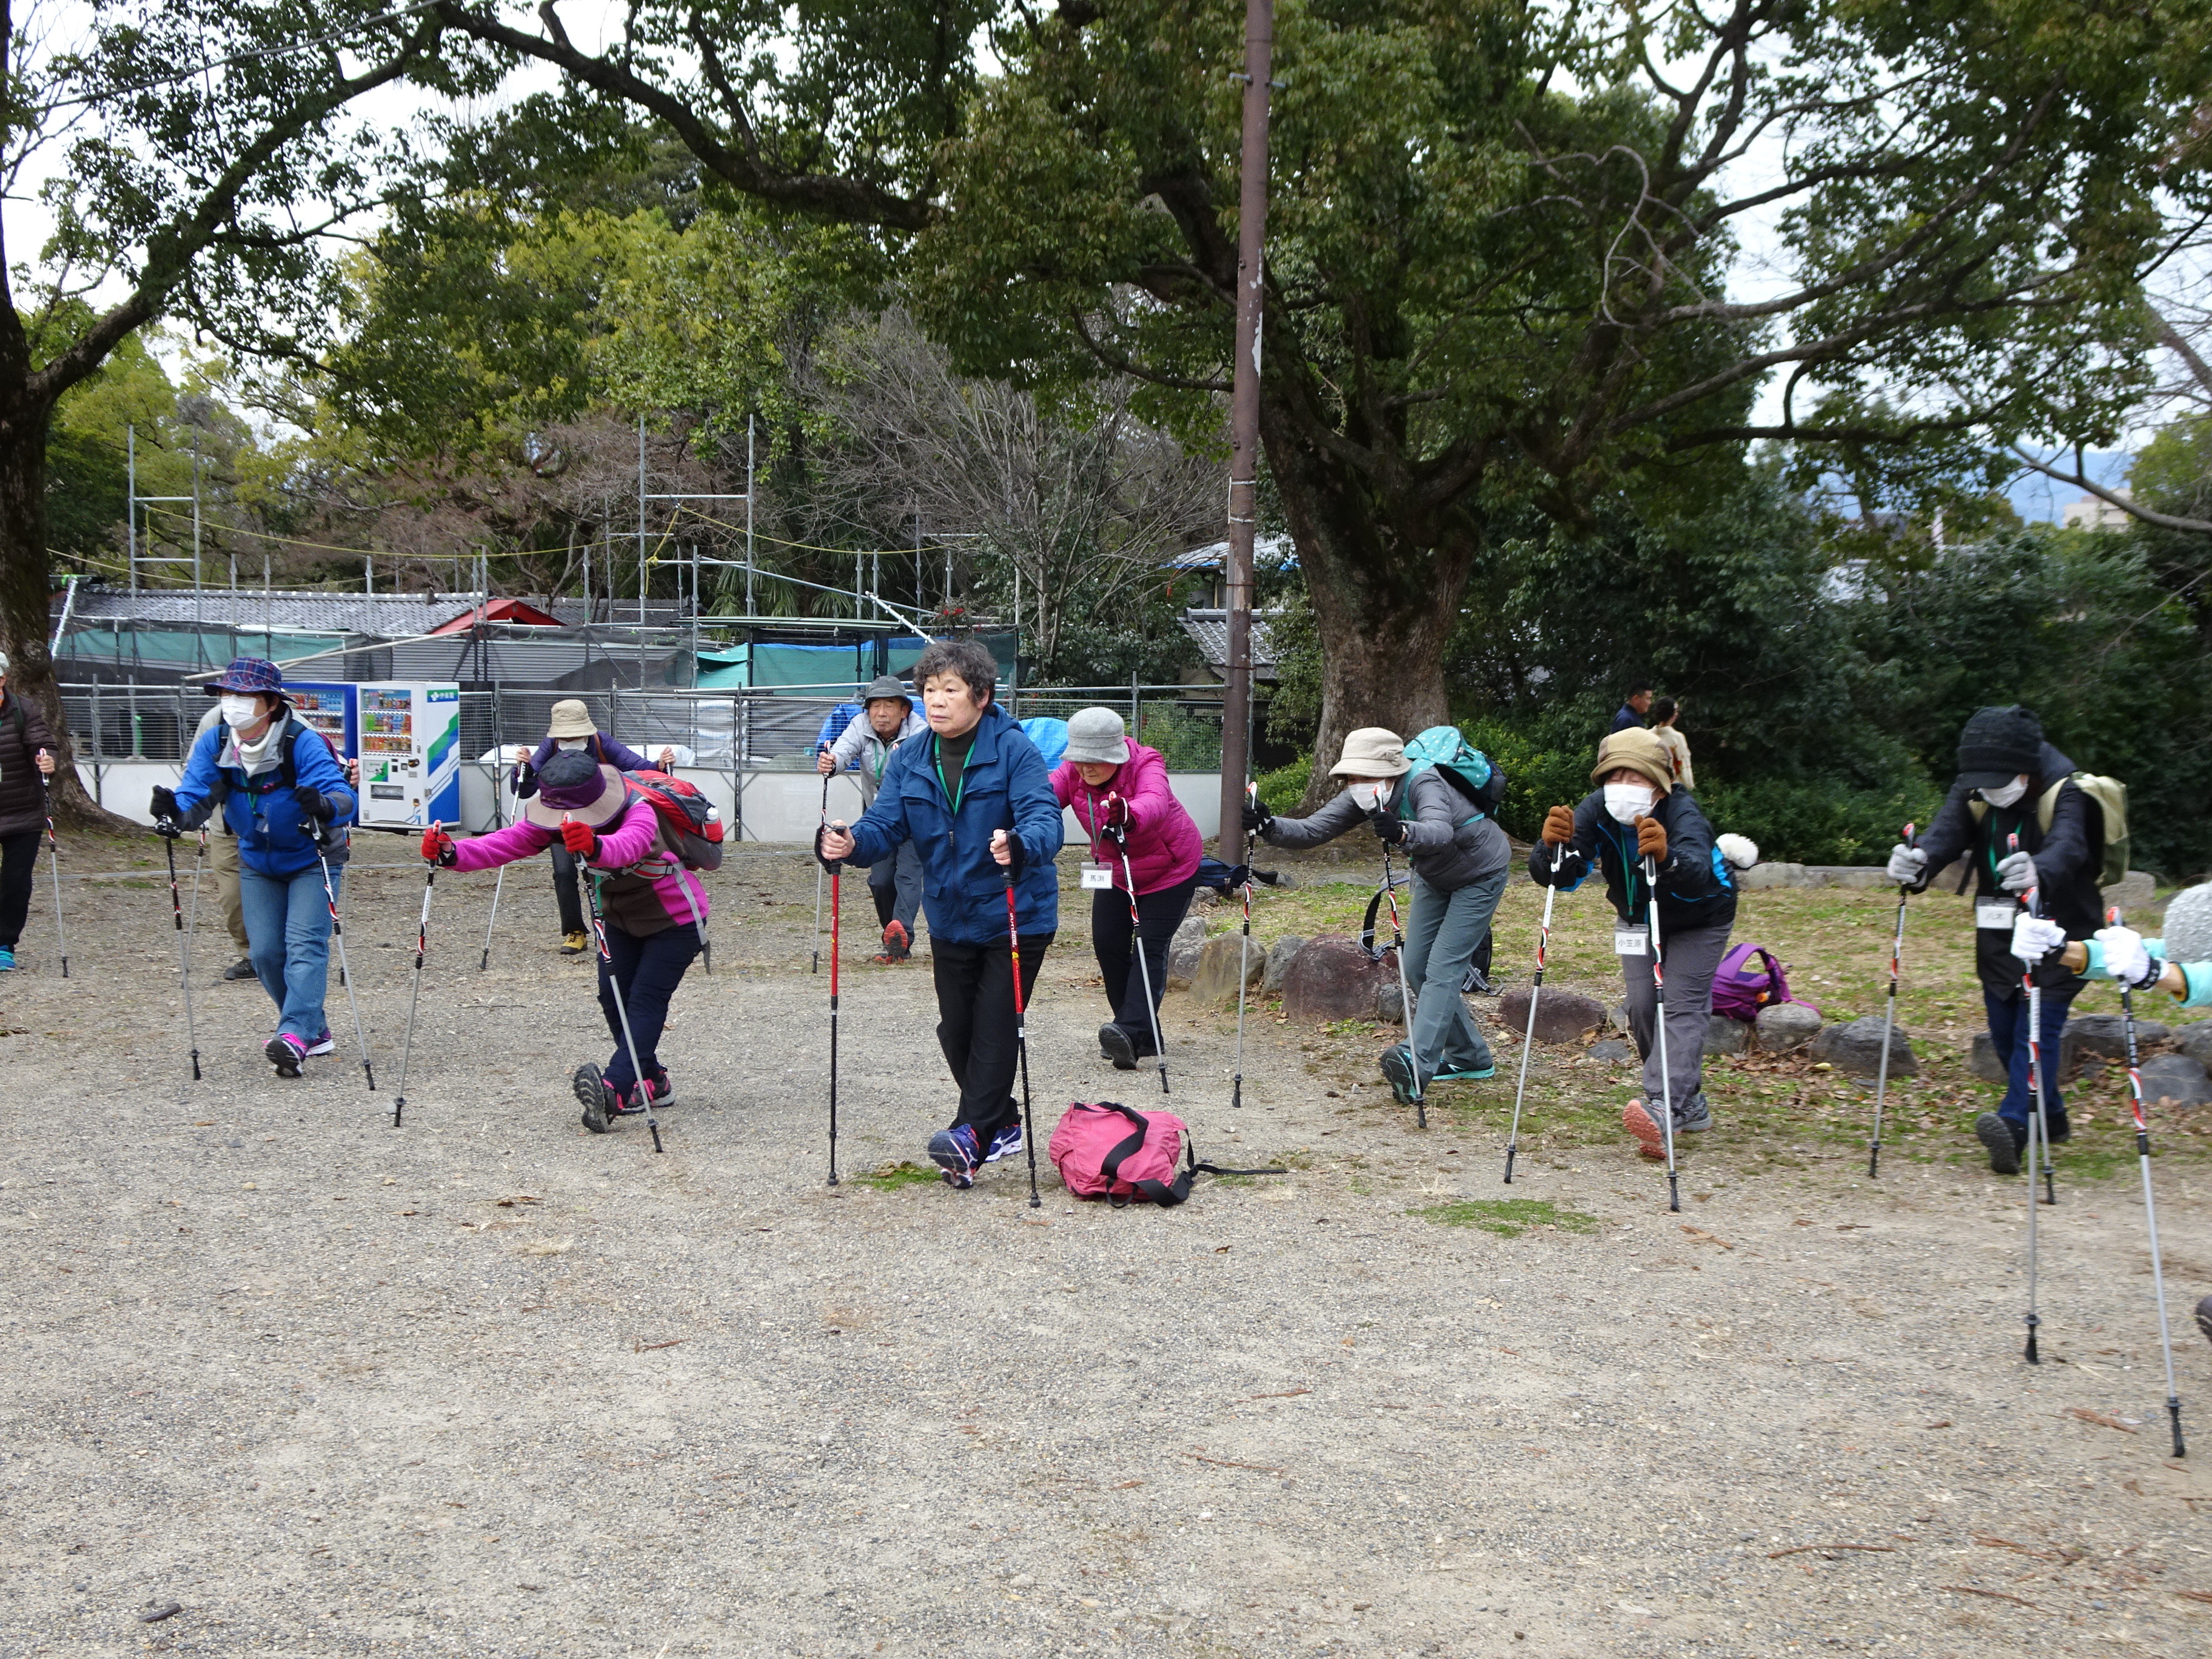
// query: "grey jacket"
[[1449, 843], [858, 748]]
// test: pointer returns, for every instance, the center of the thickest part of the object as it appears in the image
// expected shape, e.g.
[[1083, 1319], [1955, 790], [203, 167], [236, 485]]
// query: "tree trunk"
[[1385, 586], [26, 597]]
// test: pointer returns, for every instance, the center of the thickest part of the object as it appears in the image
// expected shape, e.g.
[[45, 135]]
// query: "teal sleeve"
[[2199, 977], [2095, 967]]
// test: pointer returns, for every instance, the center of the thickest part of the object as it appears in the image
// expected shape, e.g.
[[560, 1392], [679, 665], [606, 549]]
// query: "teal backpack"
[[1461, 765]]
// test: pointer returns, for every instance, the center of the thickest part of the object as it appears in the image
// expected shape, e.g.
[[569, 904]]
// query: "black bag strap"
[[1165, 1193]]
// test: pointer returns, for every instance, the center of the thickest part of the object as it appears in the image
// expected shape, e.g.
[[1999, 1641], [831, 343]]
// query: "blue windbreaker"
[[1004, 786], [275, 837]]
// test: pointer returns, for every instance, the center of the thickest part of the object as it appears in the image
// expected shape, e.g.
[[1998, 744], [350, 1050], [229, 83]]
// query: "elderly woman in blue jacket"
[[975, 798], [284, 795]]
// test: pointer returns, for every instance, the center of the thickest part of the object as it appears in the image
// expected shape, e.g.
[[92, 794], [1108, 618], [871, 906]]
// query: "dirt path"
[[487, 1384]]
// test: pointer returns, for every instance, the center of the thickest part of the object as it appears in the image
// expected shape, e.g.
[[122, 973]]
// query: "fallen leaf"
[[1994, 1596], [1799, 1549], [2098, 1418]]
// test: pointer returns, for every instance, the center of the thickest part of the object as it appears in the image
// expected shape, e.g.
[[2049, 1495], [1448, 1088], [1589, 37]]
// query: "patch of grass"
[[892, 1176], [1509, 1217]]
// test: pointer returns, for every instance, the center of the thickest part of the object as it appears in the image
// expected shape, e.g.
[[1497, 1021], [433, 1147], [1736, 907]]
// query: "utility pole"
[[1244, 423]]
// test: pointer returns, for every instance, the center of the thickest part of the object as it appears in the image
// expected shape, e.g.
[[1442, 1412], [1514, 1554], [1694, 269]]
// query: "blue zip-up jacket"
[[1695, 887], [1004, 786], [275, 837]]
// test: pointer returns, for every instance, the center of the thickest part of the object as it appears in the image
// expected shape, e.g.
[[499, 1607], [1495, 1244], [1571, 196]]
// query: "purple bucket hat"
[[574, 785], [248, 676]]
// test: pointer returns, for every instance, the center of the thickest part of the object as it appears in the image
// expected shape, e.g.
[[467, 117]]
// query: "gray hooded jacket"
[[1450, 843]]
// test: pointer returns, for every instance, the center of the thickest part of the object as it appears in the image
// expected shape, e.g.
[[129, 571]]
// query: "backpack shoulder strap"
[[2047, 807]]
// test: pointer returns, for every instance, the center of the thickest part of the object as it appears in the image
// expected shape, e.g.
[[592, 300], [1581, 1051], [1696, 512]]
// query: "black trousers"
[[975, 1025], [648, 970], [19, 872], [564, 891], [1159, 915]]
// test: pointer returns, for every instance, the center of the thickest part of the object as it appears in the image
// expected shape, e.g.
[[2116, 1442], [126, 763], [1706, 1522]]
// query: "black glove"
[[1257, 818], [314, 802], [165, 802], [1388, 829], [167, 828], [826, 863]]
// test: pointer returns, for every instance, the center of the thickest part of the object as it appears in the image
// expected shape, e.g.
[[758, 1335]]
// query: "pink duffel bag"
[[1106, 1149]]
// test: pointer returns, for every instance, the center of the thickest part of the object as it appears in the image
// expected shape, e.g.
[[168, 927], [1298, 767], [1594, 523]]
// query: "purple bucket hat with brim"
[[248, 676], [572, 785]]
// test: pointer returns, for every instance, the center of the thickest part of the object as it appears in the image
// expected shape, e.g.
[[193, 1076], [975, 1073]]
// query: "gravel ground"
[[487, 1384]]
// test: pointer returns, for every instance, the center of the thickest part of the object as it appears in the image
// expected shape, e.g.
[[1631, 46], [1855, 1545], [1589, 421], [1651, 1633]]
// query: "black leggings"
[[19, 873], [975, 1024], [565, 893], [648, 970], [1159, 914]]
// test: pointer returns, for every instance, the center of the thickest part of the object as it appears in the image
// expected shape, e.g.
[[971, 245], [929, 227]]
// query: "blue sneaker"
[[956, 1152], [1006, 1143], [1398, 1070], [7, 960], [1485, 1073]]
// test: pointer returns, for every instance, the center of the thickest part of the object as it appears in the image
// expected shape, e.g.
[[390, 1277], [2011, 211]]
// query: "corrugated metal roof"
[[1210, 629], [388, 615], [1273, 551]]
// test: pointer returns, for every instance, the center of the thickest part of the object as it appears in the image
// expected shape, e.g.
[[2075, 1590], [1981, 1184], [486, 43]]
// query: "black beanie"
[[1998, 746]]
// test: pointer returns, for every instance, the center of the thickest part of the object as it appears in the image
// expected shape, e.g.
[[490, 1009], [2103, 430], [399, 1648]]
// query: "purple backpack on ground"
[[1748, 979]]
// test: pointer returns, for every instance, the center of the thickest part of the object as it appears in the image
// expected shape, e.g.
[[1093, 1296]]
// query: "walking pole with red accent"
[[1405, 992], [1535, 990], [1243, 959], [622, 1008], [422, 944], [338, 934], [817, 968], [1121, 840], [836, 915], [1888, 1024], [61, 932], [2039, 1131], [1666, 1078], [1021, 1033], [2150, 1207], [184, 937]]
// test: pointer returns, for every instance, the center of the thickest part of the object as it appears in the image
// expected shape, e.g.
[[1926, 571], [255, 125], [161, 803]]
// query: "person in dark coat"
[[570, 728], [2012, 783], [1630, 715], [27, 760]]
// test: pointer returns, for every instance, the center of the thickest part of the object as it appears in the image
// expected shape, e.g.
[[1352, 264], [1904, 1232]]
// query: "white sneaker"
[[322, 1045]]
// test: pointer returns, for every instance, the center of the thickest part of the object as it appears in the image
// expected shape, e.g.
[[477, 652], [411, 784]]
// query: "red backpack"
[[1099, 1155], [690, 826]]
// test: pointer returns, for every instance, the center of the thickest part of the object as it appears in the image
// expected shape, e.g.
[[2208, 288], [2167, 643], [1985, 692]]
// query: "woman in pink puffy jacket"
[[1119, 793]]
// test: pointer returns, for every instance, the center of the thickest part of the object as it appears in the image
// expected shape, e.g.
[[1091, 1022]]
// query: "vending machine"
[[406, 737]]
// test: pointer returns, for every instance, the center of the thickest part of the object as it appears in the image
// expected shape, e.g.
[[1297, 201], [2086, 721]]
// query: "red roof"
[[498, 610]]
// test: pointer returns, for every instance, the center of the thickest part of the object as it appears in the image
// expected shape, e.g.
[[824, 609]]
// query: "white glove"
[[2126, 960], [1906, 864], [2033, 938], [2016, 872]]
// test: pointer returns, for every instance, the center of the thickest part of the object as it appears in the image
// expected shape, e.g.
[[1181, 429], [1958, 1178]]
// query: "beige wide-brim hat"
[[599, 811], [1096, 738], [1372, 752], [1639, 750], [571, 720]]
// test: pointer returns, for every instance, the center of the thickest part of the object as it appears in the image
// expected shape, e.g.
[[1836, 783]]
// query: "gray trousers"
[[223, 861], [1689, 958], [894, 883], [1440, 938]]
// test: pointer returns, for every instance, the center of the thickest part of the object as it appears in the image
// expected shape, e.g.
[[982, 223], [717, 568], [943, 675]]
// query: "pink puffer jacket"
[[1164, 845]]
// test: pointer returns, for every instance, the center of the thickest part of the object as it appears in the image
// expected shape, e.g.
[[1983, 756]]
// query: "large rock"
[[1848, 875], [1182, 952], [1724, 1036], [1857, 1048], [1982, 1058], [1561, 1016], [1279, 961], [1612, 1050], [2189, 924], [1332, 979], [1773, 875], [1214, 980], [2106, 1035], [2177, 1078], [2132, 891], [2195, 1041], [1390, 1000], [1786, 1025]]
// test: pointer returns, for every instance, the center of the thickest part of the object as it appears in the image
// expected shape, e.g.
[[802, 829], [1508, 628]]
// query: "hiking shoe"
[[7, 961], [1484, 1075], [1398, 1070], [285, 1052], [1651, 1138], [2061, 1131], [2002, 1141], [242, 969], [898, 945], [1005, 1144], [662, 1087], [2204, 1317], [575, 943], [324, 1044], [1695, 1118], [955, 1152], [1115, 1044], [601, 1102]]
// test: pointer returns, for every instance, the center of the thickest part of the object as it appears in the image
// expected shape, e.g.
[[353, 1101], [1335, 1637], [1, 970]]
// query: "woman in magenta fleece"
[[655, 910], [1119, 793]]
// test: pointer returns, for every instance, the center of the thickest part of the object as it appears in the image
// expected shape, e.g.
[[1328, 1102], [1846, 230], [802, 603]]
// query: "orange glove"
[[579, 838], [1559, 826], [438, 848], [1651, 840]]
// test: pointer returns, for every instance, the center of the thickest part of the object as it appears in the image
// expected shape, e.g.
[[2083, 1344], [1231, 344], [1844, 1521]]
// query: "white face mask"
[[238, 712], [1627, 801], [570, 742], [1369, 796], [2006, 795]]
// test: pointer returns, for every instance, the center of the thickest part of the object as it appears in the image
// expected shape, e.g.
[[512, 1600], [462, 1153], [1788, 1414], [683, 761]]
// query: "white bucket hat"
[[1096, 735], [1372, 752]]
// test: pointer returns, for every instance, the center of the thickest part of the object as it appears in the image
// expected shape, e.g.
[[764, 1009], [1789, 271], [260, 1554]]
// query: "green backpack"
[[2111, 797], [1461, 765]]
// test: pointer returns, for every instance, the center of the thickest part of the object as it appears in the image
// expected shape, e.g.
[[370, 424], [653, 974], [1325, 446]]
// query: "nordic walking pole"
[[2150, 1208], [1535, 990], [1243, 960], [61, 932], [1405, 992], [484, 961], [817, 968], [1144, 968], [1666, 1078], [836, 915], [421, 944], [2035, 1124], [353, 997], [1021, 1033], [1888, 1024], [185, 939], [621, 1007]]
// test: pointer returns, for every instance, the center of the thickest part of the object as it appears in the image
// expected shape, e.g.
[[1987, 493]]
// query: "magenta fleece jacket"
[[1164, 845], [636, 836]]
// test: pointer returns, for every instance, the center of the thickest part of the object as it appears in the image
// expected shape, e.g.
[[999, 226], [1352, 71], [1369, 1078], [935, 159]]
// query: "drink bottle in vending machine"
[[410, 748]]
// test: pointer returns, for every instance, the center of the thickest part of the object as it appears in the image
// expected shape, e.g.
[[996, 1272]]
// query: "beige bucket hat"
[[1372, 752]]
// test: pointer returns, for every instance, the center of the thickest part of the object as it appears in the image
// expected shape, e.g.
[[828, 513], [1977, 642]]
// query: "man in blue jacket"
[[284, 795], [976, 799]]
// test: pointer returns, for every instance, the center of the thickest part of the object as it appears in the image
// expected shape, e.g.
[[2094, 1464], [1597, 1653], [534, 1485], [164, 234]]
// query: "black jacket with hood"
[[1695, 887]]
